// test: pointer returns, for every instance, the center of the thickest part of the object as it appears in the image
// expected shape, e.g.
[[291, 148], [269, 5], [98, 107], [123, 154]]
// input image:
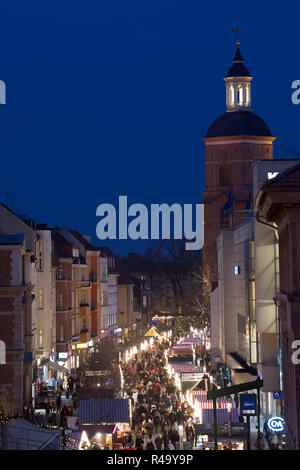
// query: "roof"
[[238, 123], [21, 434], [15, 239], [62, 249], [105, 250], [92, 430], [238, 69], [153, 332], [286, 180], [80, 238], [113, 411]]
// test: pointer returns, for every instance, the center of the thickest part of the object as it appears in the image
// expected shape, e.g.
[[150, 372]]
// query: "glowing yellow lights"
[[84, 440]]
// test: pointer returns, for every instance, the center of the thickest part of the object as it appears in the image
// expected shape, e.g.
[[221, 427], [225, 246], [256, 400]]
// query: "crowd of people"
[[158, 415]]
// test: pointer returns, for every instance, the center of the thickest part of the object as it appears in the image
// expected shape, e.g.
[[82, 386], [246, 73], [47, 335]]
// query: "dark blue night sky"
[[106, 98]]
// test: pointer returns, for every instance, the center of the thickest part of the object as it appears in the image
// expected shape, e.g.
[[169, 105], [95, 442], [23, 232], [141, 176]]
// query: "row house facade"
[[27, 313]]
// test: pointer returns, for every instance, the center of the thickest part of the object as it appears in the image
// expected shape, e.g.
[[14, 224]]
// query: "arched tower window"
[[247, 95], [240, 95], [231, 95]]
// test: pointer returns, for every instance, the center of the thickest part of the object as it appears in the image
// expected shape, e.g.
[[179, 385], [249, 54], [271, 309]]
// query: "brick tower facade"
[[232, 142]]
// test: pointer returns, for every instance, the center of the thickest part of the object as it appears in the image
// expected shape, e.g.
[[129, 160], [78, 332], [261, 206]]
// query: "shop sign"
[[62, 355], [93, 373], [248, 404], [191, 376], [276, 424]]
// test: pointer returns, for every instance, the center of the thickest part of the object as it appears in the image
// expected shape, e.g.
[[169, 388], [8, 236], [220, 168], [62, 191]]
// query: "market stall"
[[105, 419]]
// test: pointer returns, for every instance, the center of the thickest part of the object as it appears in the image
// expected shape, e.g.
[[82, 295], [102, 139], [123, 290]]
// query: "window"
[[41, 339], [40, 262], [41, 298], [231, 95], [240, 95], [103, 298], [84, 299], [144, 301], [61, 333], [103, 272], [61, 302], [247, 95]]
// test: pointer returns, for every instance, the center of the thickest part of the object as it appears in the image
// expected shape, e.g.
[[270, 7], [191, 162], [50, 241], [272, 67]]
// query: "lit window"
[[41, 339], [41, 298], [231, 95], [247, 95], [240, 95]]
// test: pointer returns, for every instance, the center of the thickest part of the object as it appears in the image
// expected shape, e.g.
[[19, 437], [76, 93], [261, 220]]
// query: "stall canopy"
[[104, 411], [153, 332], [76, 439], [222, 416], [20, 433]]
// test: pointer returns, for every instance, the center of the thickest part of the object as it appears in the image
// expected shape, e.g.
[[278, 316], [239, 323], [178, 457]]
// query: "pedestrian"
[[274, 442], [260, 442], [139, 442], [170, 446], [150, 445], [158, 442], [58, 402]]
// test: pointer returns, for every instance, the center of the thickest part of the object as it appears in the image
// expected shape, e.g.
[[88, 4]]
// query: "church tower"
[[232, 142]]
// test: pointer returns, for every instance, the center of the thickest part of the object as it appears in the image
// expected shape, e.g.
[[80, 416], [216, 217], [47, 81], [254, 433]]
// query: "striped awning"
[[105, 411], [183, 367], [74, 440], [222, 416], [200, 397]]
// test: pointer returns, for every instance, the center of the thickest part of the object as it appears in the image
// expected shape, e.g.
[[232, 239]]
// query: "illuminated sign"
[[276, 424], [248, 404], [63, 355], [191, 376]]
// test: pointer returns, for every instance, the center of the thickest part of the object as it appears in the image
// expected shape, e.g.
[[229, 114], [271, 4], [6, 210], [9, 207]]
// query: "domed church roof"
[[238, 123]]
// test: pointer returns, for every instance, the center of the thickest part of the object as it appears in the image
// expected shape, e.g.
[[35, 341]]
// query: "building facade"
[[232, 142]]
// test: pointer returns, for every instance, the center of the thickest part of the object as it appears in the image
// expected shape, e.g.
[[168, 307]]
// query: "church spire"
[[238, 82]]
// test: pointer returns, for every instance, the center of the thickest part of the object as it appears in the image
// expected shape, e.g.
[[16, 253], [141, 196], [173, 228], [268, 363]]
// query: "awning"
[[104, 411], [222, 416], [75, 439], [153, 332], [55, 366]]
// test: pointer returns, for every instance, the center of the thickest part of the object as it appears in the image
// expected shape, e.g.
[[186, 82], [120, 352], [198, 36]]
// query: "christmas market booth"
[[106, 422], [153, 332]]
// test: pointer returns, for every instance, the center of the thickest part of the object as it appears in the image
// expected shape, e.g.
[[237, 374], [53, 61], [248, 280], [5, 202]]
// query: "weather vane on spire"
[[237, 30]]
